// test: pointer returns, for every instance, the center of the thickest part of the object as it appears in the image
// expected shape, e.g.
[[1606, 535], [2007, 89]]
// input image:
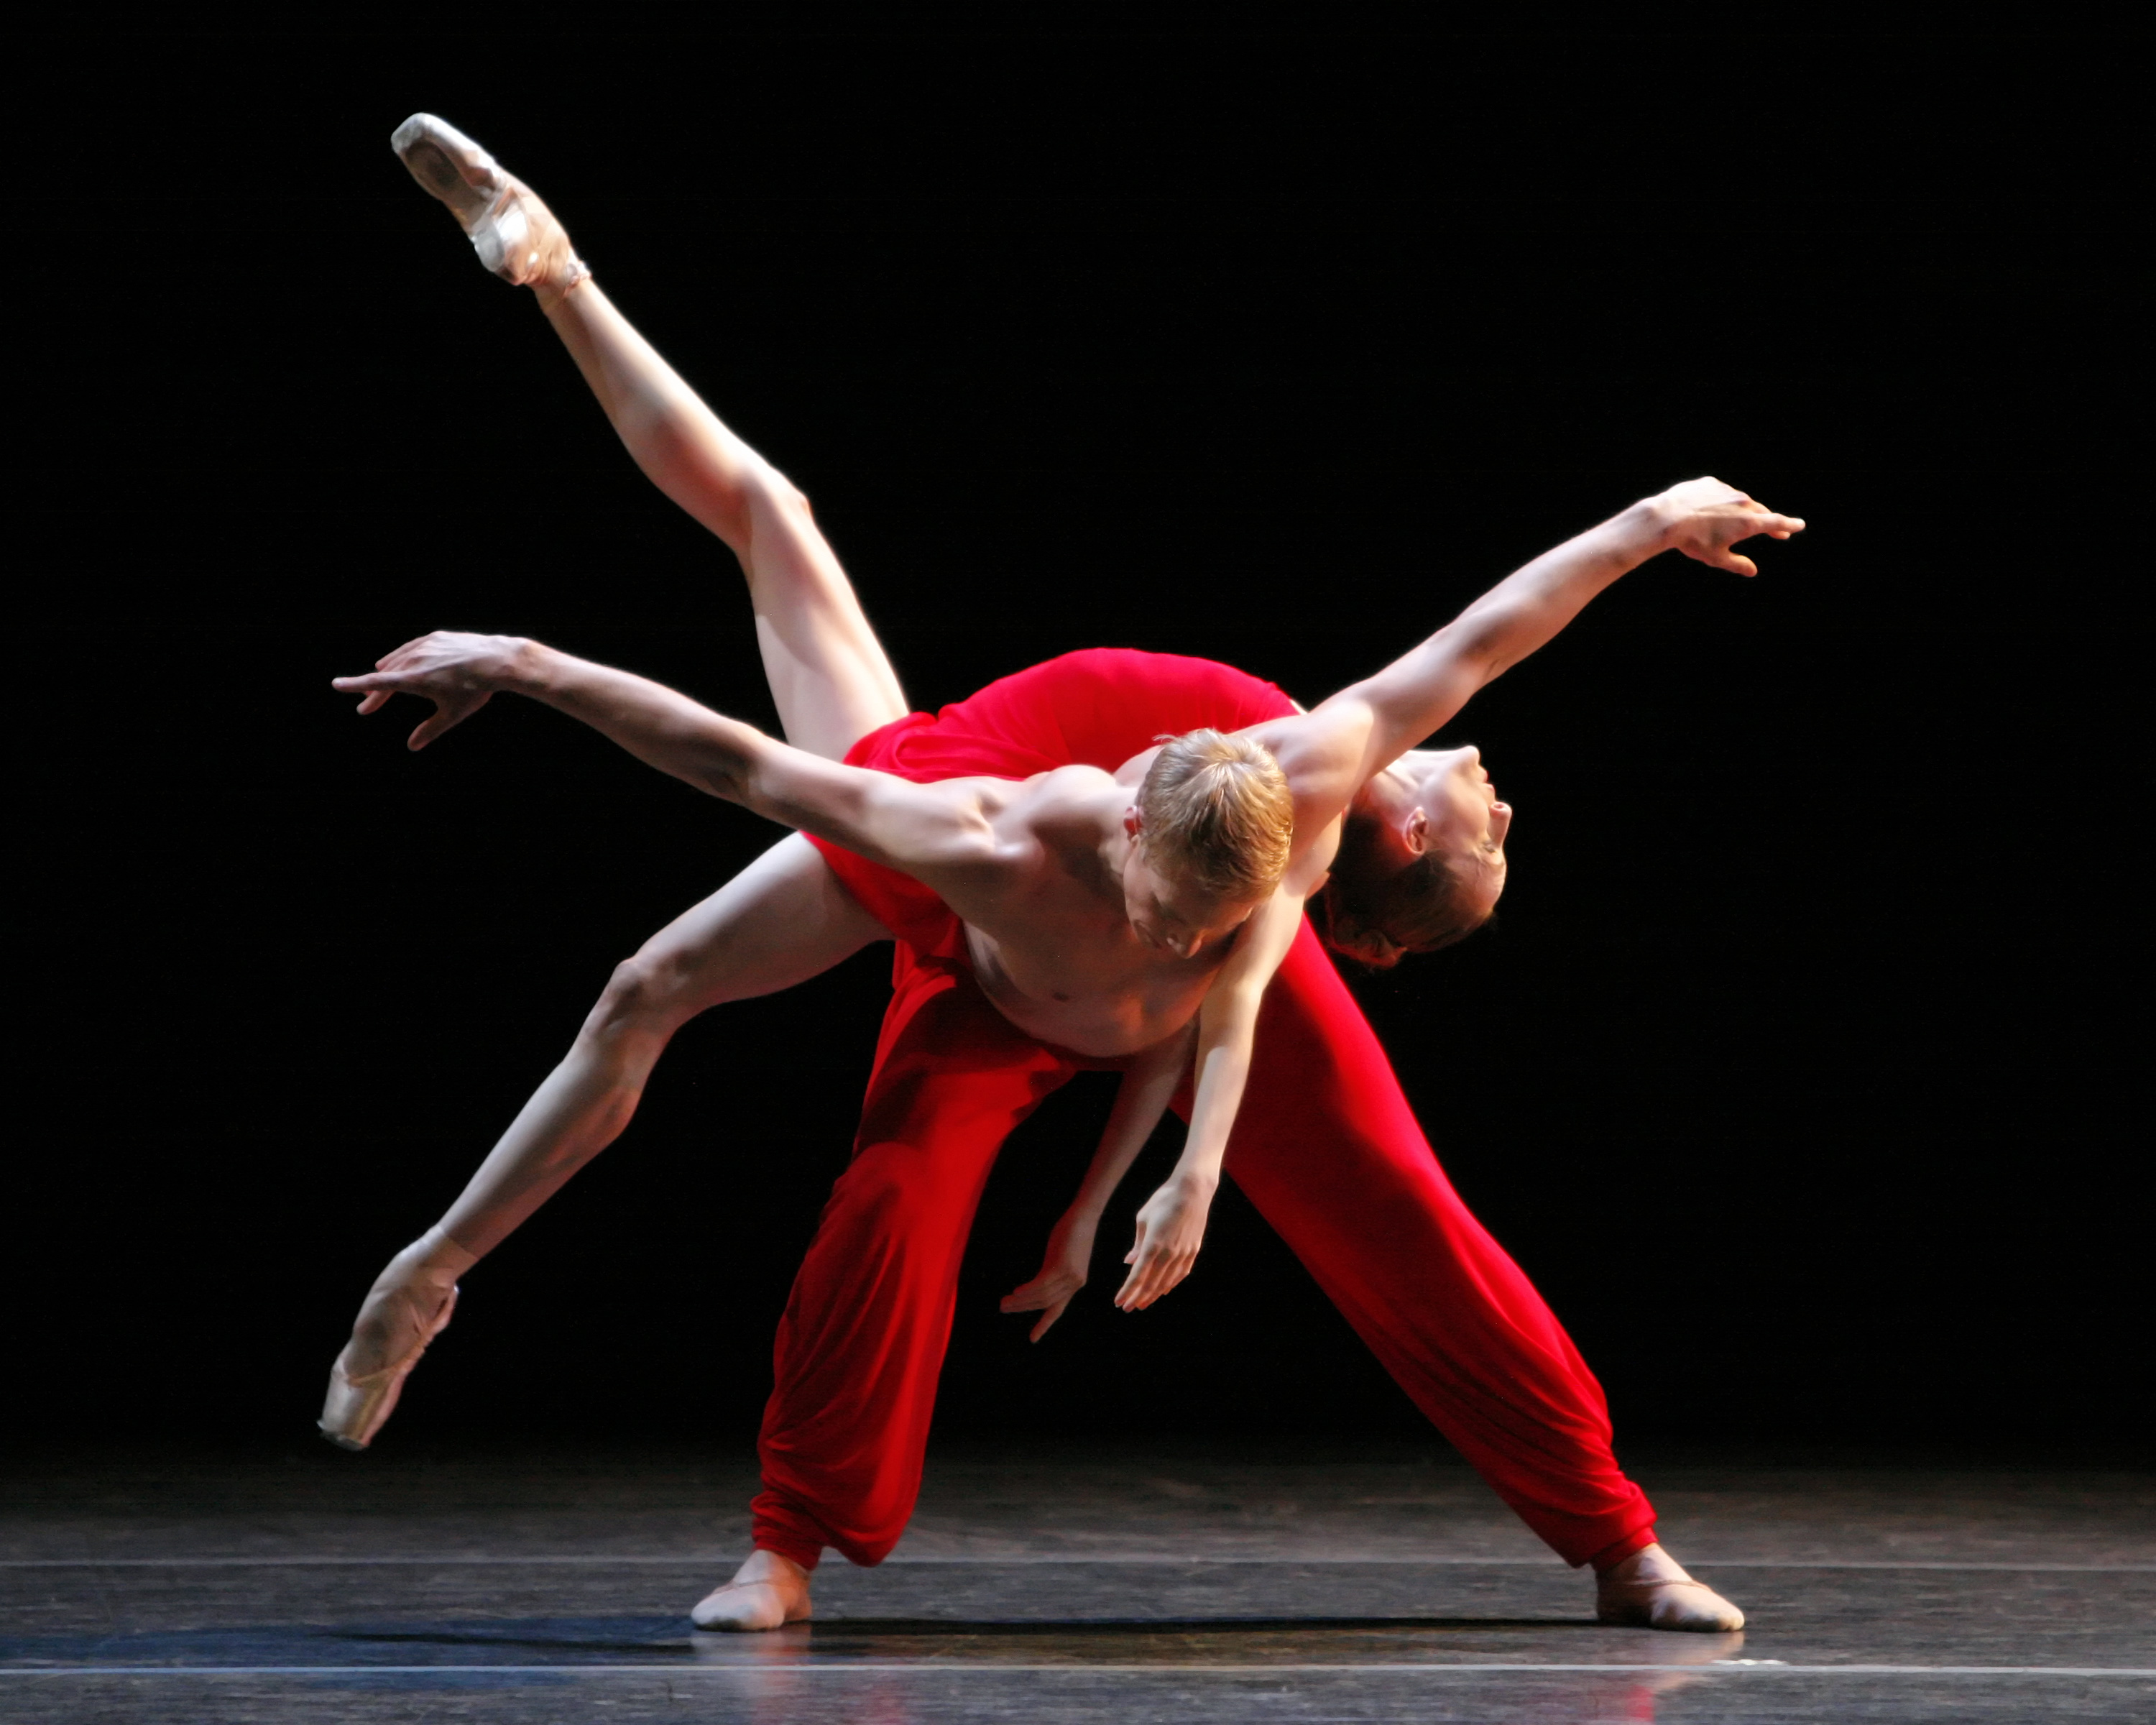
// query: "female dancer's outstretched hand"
[[459, 673], [1171, 1228], [1704, 517], [1063, 1268]]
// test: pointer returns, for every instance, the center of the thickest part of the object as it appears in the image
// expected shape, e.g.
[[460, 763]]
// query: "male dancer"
[[1465, 1245]]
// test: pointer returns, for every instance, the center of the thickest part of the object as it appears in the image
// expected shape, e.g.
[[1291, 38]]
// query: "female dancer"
[[1468, 1337]]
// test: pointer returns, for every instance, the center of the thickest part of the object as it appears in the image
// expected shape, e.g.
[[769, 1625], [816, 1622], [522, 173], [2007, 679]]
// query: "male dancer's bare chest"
[[1075, 973]]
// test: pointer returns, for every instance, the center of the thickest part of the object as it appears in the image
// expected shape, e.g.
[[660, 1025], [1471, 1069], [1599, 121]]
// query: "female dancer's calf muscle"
[[782, 921]]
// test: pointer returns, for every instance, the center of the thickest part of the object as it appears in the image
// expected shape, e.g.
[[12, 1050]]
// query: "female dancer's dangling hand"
[[1171, 1228], [1063, 1268]]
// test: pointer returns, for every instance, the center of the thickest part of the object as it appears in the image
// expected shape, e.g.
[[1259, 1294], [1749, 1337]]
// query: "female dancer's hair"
[[1376, 912]]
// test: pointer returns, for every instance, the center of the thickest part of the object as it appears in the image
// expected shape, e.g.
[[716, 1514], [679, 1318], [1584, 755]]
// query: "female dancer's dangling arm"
[[1148, 1086]]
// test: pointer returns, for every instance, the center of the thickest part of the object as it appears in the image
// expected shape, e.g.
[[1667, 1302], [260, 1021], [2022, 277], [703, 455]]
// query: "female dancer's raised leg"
[[781, 922], [828, 671]]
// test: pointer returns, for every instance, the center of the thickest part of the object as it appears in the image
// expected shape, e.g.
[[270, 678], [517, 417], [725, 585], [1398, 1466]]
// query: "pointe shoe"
[[1650, 1589], [767, 1593], [515, 235], [407, 1306]]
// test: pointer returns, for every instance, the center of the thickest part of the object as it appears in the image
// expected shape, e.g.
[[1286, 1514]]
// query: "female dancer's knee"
[[648, 995]]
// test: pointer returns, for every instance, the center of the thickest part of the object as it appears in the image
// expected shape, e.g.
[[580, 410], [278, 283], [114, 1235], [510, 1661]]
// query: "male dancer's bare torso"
[[1054, 939], [1070, 935]]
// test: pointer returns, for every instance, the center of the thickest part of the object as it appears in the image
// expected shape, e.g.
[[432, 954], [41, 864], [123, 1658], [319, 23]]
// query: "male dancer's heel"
[[407, 1306], [515, 235]]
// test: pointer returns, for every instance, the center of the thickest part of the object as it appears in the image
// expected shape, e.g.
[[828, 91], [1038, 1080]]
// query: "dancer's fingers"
[[1048, 1318], [1044, 1289], [1171, 1273], [1127, 1296], [432, 727], [1159, 1272]]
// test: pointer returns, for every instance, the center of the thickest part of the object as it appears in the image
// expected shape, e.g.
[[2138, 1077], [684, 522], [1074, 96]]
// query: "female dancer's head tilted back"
[[1421, 860]]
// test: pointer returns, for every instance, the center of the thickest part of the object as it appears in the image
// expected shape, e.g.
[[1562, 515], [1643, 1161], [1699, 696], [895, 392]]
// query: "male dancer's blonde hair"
[[1217, 809]]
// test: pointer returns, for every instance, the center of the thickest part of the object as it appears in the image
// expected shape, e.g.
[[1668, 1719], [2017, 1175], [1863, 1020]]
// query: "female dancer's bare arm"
[[1148, 1086], [1332, 751]]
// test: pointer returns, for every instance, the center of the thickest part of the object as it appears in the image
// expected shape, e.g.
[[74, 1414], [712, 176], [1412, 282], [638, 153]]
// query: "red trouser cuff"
[[780, 1527], [1617, 1551]]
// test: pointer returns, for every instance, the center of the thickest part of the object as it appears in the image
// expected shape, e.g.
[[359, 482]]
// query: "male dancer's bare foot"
[[767, 1592], [1650, 1589], [515, 235]]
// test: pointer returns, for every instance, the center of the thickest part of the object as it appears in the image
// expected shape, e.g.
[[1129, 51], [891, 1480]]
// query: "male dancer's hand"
[[1063, 1268], [459, 673], [1171, 1228], [1704, 517]]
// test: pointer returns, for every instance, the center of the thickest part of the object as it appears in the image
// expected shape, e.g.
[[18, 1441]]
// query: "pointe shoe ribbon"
[[409, 1305], [515, 235], [1667, 1605]]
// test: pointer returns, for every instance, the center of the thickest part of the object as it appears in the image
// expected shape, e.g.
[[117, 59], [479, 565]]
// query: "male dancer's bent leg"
[[1328, 1150], [862, 1342]]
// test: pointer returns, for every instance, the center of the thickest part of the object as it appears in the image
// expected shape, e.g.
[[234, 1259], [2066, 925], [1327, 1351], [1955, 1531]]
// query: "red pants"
[[1325, 1145]]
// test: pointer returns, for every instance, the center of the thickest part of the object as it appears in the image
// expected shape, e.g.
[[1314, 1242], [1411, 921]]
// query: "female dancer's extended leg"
[[781, 922]]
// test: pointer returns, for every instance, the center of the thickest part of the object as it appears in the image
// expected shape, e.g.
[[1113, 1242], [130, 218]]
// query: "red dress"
[[1325, 1145]]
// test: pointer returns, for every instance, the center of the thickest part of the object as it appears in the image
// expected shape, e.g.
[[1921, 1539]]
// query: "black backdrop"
[[1793, 1074]]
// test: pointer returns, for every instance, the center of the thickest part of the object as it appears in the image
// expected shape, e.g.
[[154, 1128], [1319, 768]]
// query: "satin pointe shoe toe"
[[409, 1305], [515, 235]]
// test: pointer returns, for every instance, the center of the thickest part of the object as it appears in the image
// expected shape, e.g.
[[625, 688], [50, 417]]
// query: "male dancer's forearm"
[[660, 726], [939, 840]]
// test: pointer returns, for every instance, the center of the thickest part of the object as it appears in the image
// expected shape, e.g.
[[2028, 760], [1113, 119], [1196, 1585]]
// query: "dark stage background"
[[1794, 1074]]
